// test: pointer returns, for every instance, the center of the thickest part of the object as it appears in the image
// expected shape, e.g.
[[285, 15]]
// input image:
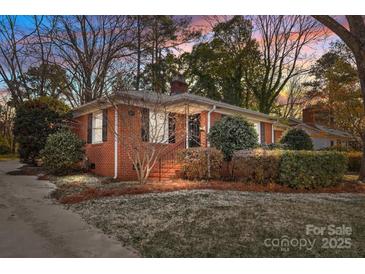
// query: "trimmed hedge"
[[296, 169], [258, 166], [194, 163], [311, 169], [354, 163]]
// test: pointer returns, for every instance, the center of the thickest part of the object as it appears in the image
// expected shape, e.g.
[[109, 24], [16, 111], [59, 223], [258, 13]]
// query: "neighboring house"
[[99, 123], [319, 126]]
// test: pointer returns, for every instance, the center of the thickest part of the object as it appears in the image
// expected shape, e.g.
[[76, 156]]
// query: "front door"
[[194, 130]]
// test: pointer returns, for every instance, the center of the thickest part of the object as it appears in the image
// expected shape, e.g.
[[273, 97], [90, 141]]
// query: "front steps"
[[165, 171]]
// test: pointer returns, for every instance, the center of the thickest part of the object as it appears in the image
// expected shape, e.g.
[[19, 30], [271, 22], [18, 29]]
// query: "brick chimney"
[[309, 116], [178, 85]]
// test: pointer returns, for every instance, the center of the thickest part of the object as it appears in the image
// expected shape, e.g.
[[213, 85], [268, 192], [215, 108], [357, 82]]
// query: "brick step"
[[163, 169], [165, 174], [166, 168], [168, 165]]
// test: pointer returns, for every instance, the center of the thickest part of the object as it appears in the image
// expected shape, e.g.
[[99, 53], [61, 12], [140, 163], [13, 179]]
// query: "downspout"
[[116, 143], [208, 123]]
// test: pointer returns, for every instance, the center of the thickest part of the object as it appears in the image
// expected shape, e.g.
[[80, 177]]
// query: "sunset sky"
[[204, 23]]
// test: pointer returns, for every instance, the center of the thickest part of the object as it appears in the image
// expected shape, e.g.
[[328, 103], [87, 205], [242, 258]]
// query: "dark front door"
[[194, 130]]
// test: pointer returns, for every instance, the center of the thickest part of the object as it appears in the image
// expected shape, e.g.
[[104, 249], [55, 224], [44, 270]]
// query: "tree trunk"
[[360, 63], [362, 167], [138, 76]]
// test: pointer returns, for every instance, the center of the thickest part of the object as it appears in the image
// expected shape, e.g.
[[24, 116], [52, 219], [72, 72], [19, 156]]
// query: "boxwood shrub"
[[297, 139], [63, 150], [311, 169], [194, 163], [257, 166]]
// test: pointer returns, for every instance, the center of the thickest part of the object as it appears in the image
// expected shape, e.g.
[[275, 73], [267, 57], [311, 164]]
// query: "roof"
[[335, 132], [167, 100], [326, 130]]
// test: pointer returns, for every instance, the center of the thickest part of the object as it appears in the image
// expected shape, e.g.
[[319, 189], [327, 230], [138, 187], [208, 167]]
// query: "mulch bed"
[[88, 193]]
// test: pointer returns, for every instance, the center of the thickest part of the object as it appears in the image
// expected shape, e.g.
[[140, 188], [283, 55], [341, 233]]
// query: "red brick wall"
[[277, 135], [102, 155], [129, 124], [214, 117]]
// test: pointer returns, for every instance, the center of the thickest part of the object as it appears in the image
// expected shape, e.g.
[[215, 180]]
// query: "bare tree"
[[354, 38], [25, 57], [13, 57], [91, 50], [283, 40], [294, 98]]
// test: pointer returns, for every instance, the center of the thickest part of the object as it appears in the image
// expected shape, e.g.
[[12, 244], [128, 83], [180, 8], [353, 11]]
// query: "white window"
[[97, 127], [159, 127]]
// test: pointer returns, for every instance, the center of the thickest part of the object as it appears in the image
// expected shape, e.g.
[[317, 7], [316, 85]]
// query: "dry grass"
[[207, 223]]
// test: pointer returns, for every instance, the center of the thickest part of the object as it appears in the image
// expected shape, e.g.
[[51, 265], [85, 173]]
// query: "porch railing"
[[168, 157]]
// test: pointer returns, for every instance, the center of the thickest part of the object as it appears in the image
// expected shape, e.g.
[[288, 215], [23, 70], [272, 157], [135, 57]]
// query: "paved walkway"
[[32, 225]]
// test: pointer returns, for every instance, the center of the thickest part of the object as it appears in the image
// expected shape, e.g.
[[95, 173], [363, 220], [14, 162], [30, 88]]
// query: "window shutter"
[[172, 128], [89, 128], [145, 124], [105, 125]]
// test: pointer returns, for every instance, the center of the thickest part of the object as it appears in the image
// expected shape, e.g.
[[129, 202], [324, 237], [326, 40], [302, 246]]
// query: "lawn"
[[208, 223]]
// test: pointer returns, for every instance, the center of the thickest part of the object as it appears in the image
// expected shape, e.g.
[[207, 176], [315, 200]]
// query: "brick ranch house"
[[102, 124]]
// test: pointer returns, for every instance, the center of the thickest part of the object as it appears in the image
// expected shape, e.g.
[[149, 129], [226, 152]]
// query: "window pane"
[[98, 120], [158, 127], [97, 131], [98, 135]]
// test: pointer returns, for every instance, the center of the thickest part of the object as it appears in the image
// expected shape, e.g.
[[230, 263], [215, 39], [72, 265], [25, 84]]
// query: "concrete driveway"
[[33, 225]]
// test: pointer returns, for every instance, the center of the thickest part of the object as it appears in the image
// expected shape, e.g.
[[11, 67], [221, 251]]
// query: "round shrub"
[[34, 121], [62, 151], [231, 134], [297, 139]]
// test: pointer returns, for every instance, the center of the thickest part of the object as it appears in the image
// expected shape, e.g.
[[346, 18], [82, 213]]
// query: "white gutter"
[[116, 143], [208, 126]]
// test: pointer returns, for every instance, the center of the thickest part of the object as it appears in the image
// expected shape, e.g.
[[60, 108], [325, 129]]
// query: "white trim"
[[116, 143], [258, 130], [208, 126]]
